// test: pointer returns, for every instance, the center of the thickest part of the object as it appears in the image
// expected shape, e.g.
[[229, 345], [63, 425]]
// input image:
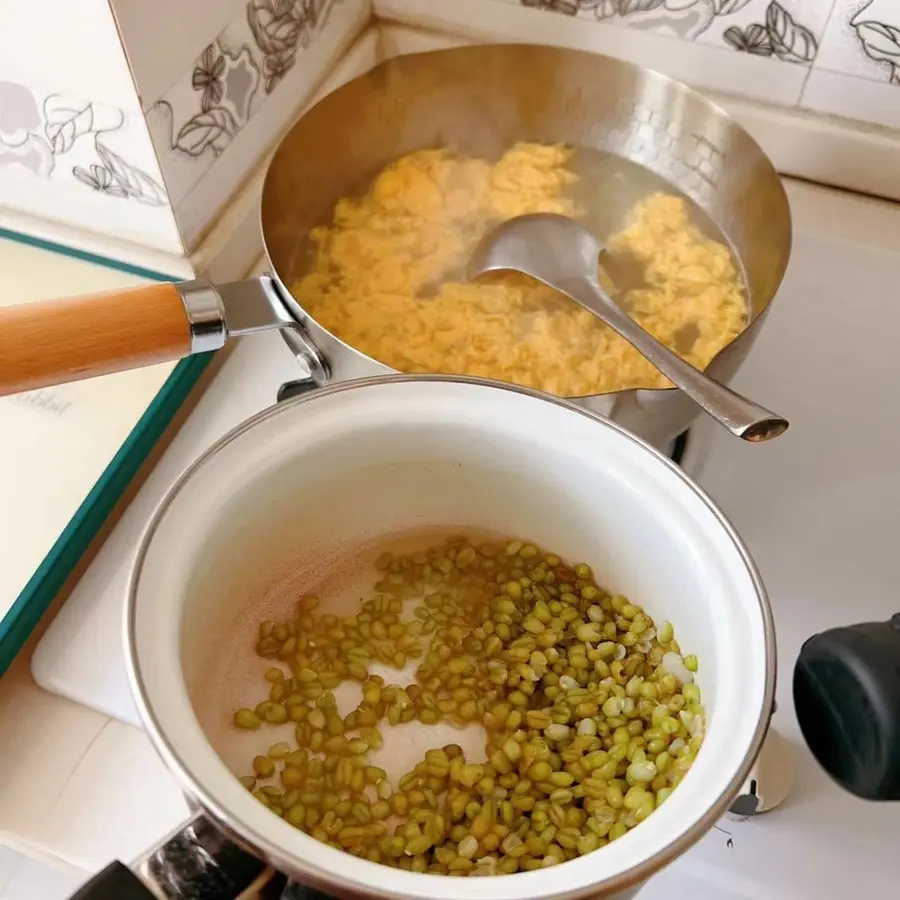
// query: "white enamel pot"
[[379, 456]]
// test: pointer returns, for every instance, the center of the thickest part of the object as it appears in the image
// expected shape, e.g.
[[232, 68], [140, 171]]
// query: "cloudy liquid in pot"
[[341, 582], [388, 275], [610, 186]]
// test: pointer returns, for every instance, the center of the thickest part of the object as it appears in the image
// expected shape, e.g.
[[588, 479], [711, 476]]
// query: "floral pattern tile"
[[774, 30], [863, 40], [205, 110], [786, 30], [75, 141], [857, 72]]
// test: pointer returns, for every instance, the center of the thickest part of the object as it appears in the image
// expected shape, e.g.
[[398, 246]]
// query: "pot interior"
[[481, 100], [633, 132], [295, 502]]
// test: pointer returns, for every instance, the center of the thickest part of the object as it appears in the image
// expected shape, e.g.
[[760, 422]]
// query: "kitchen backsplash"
[[839, 57], [235, 96], [142, 120], [85, 163]]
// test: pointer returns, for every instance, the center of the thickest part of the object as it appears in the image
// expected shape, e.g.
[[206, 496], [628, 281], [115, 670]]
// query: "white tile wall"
[[213, 125], [76, 161], [845, 153], [74, 147], [161, 44], [65, 45], [152, 159], [861, 39], [787, 31], [839, 57], [857, 71], [759, 48]]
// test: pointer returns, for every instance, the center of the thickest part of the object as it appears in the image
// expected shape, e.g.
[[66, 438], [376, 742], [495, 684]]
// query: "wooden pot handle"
[[54, 341]]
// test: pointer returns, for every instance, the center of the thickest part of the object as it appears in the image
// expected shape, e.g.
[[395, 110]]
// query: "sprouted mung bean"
[[589, 728]]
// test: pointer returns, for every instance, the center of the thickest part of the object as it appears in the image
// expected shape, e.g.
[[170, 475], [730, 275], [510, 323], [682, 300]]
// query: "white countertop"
[[80, 788]]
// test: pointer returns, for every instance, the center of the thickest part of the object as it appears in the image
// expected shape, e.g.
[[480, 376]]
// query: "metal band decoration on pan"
[[206, 315]]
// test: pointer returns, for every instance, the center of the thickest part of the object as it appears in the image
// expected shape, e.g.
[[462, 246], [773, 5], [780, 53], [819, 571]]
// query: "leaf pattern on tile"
[[234, 74], [211, 129], [791, 41], [628, 7], [727, 7], [752, 39], [66, 120], [566, 7], [877, 27], [275, 67], [134, 182], [99, 179], [685, 18], [280, 28], [37, 129], [780, 36], [115, 177]]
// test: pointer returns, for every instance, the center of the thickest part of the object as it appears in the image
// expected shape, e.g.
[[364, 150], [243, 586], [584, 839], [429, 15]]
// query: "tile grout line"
[[809, 69], [82, 757]]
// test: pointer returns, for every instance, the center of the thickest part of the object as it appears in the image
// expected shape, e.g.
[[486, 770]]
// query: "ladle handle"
[[54, 341], [742, 417]]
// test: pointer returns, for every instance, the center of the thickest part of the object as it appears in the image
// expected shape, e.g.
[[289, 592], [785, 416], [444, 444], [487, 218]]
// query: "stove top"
[[819, 509]]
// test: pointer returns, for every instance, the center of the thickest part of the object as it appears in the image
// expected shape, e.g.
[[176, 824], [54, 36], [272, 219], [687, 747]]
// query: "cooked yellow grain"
[[387, 277]]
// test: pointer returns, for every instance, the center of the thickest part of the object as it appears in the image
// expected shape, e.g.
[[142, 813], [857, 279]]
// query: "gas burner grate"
[[292, 389], [679, 447]]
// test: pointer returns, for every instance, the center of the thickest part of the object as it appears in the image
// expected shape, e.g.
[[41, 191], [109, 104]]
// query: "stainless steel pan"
[[480, 100]]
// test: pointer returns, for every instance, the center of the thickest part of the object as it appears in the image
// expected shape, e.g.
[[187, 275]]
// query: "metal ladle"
[[561, 253]]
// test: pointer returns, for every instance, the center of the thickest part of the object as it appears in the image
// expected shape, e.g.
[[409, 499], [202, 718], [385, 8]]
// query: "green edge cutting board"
[[68, 454]]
